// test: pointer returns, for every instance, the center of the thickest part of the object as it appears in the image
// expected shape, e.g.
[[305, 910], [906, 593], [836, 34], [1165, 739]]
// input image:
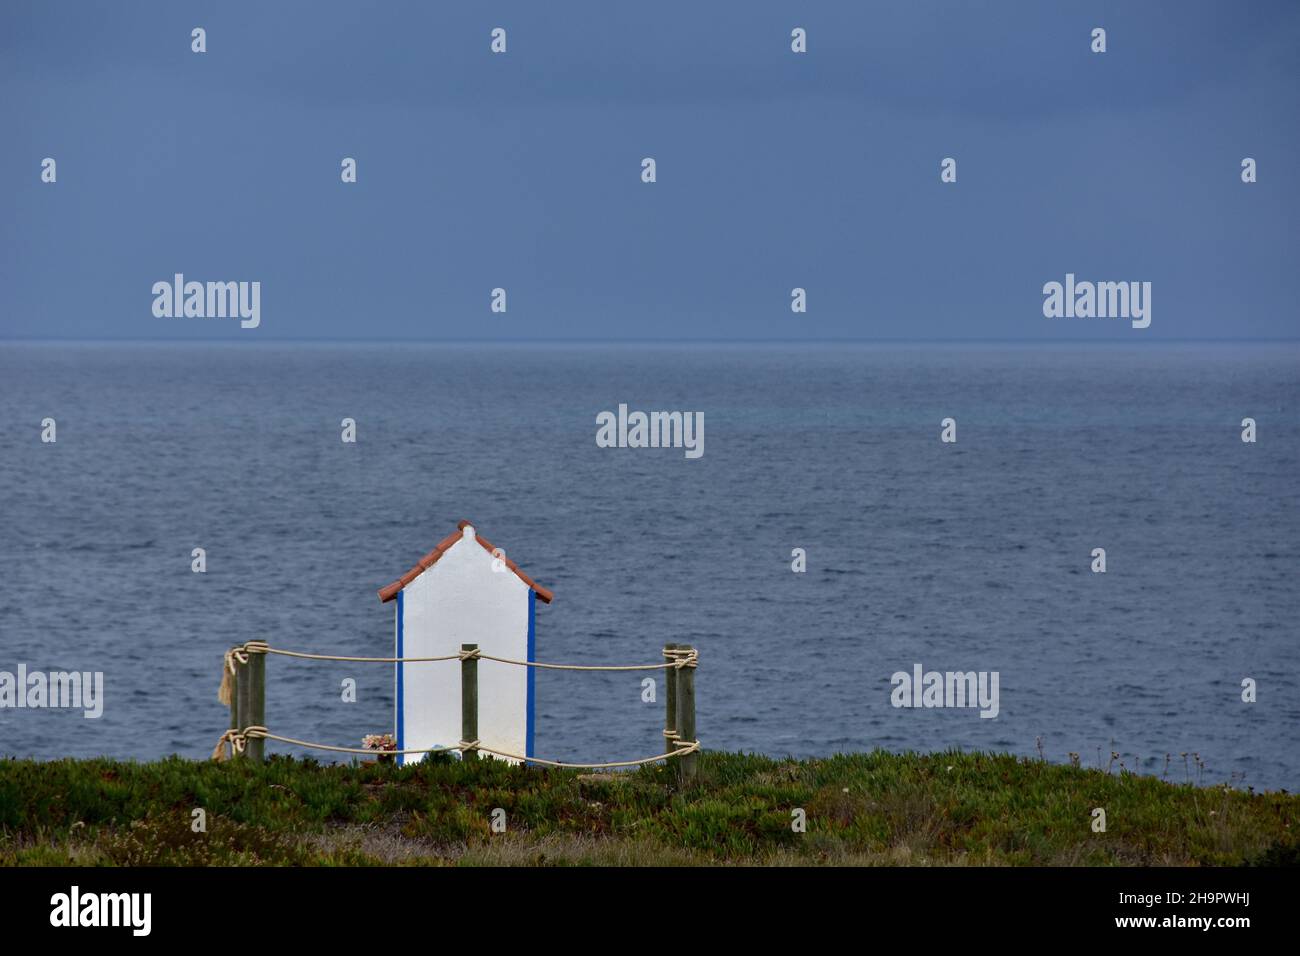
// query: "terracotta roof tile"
[[430, 559]]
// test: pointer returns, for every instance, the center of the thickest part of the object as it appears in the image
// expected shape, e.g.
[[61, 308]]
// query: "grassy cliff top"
[[877, 808]]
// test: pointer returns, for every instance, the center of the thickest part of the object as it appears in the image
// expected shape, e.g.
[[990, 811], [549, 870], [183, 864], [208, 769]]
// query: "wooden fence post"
[[670, 706], [243, 699], [469, 701], [257, 704], [687, 763], [234, 696]]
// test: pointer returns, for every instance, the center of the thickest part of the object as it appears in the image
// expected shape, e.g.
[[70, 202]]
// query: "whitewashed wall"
[[461, 600]]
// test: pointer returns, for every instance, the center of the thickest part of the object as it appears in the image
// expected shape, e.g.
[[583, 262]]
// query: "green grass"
[[873, 809]]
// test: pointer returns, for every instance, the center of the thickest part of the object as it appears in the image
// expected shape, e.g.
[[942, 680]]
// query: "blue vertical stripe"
[[532, 671], [401, 724]]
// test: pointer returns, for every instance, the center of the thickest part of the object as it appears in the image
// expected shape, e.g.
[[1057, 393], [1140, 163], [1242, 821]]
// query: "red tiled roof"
[[430, 559]]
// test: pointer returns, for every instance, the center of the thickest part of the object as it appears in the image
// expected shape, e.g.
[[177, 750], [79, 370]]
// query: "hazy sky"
[[775, 170]]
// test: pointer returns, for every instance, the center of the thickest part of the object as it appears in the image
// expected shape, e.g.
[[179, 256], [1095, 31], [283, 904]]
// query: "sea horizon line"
[[253, 342]]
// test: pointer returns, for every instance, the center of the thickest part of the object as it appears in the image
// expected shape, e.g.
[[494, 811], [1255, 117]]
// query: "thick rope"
[[685, 748], [268, 649], [262, 732], [238, 741], [233, 656], [585, 667], [680, 658]]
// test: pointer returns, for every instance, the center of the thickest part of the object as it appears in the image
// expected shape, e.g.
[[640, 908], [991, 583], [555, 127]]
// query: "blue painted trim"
[[532, 671], [401, 723]]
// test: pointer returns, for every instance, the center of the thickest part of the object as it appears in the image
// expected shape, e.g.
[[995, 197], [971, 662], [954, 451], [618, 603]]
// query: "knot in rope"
[[237, 656], [232, 737], [682, 656], [468, 745], [241, 652], [473, 655], [238, 741]]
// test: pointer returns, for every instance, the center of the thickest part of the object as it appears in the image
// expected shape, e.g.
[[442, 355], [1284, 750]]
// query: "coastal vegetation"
[[861, 809]]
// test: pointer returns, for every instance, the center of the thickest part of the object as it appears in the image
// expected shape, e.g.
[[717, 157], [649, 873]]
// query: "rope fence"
[[683, 658], [243, 690]]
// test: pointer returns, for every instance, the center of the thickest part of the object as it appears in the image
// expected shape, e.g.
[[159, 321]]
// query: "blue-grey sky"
[[775, 170]]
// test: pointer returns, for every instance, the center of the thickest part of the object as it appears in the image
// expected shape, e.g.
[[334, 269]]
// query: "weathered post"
[[468, 700], [257, 704], [687, 763], [234, 696], [670, 705], [243, 698]]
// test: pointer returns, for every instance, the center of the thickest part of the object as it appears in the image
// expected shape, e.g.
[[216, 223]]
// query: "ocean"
[[965, 556]]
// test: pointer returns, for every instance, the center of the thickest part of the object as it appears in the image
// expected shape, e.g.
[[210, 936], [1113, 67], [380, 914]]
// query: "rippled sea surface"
[[970, 556]]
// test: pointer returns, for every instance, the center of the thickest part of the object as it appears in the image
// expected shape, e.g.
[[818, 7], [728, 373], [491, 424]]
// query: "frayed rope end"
[[226, 691], [219, 751]]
